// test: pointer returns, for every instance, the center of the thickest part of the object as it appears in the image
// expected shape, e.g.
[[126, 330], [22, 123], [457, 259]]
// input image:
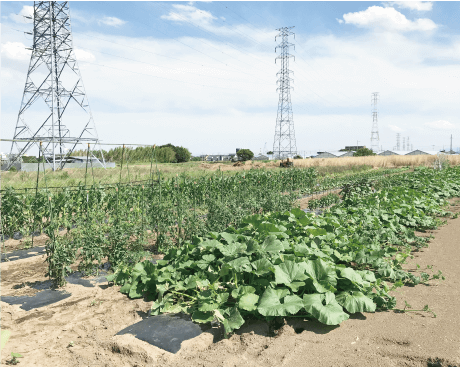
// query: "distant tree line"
[[167, 153]]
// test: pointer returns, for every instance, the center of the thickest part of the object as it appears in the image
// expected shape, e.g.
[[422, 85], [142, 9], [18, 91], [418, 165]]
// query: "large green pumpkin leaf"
[[241, 264], [229, 237], [352, 275], [272, 244], [329, 314], [248, 301], [322, 276], [262, 266], [355, 302], [293, 304], [232, 250], [288, 272], [267, 227], [202, 317], [270, 305], [136, 290], [233, 321], [240, 291]]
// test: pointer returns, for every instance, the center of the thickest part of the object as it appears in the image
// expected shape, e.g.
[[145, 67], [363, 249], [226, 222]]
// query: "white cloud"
[[112, 21], [395, 128], [414, 5], [441, 125], [211, 102], [201, 1], [83, 55], [189, 13], [15, 51], [26, 10], [217, 25], [390, 19]]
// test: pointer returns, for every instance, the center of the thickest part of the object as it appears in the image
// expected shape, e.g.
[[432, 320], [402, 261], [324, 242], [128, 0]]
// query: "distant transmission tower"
[[284, 144], [375, 129], [407, 144], [398, 140], [54, 108], [404, 144]]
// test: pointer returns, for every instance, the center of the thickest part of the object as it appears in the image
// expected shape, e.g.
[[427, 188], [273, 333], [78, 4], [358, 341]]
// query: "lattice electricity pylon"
[[54, 98], [375, 129], [398, 141], [284, 144]]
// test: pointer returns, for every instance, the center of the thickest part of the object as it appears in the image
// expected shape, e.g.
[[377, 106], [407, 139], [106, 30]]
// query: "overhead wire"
[[213, 35], [198, 84], [255, 28], [154, 53], [160, 77], [175, 69]]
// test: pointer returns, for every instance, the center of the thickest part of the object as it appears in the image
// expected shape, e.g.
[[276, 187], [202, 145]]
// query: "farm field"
[[143, 171], [91, 317], [239, 252]]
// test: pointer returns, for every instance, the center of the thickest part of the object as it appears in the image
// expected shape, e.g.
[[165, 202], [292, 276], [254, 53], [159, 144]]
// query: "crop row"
[[30, 212], [291, 263]]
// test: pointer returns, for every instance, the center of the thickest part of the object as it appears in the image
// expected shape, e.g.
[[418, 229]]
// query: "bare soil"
[[92, 316]]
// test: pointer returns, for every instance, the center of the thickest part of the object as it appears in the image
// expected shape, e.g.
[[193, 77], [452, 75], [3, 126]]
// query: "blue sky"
[[203, 75]]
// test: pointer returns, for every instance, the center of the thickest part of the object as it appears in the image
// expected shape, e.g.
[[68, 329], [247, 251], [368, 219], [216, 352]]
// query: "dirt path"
[[92, 316]]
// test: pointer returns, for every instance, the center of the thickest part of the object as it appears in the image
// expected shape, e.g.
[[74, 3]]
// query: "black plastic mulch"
[[165, 331]]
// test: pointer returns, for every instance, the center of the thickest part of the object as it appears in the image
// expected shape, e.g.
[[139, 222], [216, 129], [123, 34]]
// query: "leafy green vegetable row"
[[294, 263]]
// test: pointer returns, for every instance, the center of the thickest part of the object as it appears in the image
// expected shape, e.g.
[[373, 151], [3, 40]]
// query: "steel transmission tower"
[[398, 141], [375, 129], [284, 144], [54, 107]]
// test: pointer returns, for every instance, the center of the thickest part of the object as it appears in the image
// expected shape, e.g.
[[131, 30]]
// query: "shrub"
[[195, 159], [165, 155], [182, 154], [245, 154], [363, 152], [13, 169]]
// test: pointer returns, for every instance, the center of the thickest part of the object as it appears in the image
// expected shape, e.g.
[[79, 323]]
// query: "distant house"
[[334, 154], [260, 158], [392, 152], [423, 152], [217, 157]]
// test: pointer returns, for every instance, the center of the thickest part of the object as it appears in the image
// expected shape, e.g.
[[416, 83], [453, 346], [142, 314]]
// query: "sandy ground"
[[92, 316]]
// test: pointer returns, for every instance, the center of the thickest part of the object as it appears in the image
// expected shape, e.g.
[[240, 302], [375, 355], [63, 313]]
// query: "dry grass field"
[[138, 172], [376, 161]]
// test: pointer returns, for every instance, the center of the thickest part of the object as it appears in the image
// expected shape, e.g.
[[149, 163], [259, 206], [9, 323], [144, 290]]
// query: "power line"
[[154, 53], [175, 69], [160, 77], [213, 35]]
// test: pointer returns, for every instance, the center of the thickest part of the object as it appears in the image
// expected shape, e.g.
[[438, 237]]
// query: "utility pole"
[[375, 129], [54, 108], [284, 144]]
